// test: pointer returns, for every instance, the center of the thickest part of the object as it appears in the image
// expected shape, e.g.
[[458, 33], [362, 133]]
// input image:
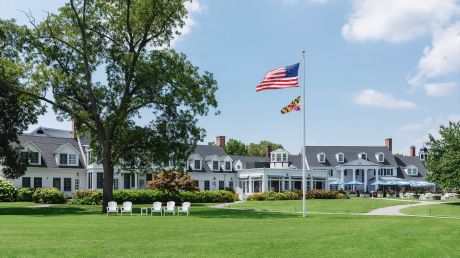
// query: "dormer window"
[[340, 157], [380, 157], [215, 165], [278, 157], [423, 157], [228, 165], [362, 155], [66, 159], [412, 171], [197, 164], [31, 158], [285, 157], [321, 157], [40, 131]]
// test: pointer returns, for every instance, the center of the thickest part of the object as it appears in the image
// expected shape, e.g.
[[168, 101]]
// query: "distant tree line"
[[237, 147]]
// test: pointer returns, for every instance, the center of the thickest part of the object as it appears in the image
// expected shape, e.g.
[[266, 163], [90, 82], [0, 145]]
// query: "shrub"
[[87, 197], [84, 197], [48, 195], [296, 195], [24, 194], [7, 191]]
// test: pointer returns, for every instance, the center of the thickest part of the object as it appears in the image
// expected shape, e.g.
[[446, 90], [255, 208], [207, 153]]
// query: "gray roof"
[[205, 151], [48, 146], [252, 161], [405, 161], [350, 153]]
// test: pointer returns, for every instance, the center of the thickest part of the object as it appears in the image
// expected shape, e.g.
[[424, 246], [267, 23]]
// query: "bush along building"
[[59, 158]]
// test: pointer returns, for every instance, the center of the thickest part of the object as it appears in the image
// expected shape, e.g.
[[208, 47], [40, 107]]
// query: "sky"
[[374, 69]]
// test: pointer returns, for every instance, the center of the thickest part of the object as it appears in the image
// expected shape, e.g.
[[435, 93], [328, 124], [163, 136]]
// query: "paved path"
[[396, 210]]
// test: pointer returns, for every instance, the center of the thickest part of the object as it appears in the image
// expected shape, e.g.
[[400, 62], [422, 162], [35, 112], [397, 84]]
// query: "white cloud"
[[417, 126], [440, 89], [441, 58], [305, 1], [397, 20], [373, 98], [454, 118], [193, 8]]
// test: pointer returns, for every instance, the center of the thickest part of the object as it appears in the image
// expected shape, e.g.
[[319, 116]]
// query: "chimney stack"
[[412, 151], [220, 141], [389, 144], [268, 150]]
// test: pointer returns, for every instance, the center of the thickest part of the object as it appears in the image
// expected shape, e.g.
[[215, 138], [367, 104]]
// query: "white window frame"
[[229, 166], [68, 159], [194, 164], [321, 157], [338, 155], [38, 158], [412, 171], [378, 157], [215, 168], [361, 154]]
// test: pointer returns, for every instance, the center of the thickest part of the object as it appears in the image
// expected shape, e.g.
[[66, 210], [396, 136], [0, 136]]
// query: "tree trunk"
[[108, 176]]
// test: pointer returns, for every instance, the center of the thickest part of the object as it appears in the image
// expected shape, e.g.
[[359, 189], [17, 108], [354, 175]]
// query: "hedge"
[[48, 195], [7, 191], [296, 195], [89, 197], [25, 194]]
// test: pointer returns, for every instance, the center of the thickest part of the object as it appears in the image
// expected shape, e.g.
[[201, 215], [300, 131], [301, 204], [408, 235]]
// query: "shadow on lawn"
[[48, 211], [242, 214]]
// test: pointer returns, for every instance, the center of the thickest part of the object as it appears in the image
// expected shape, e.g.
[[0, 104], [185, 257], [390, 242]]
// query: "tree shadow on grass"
[[242, 214], [47, 211]]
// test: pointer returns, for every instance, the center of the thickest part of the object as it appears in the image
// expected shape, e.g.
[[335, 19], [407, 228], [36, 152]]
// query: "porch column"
[[264, 184], [290, 183], [365, 179], [354, 178], [342, 177], [136, 181], [250, 185], [311, 182], [376, 178]]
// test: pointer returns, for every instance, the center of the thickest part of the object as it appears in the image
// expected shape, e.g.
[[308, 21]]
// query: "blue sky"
[[375, 69]]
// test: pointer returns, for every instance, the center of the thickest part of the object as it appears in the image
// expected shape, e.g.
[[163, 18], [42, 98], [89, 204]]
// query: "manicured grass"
[[353, 205], [451, 209], [71, 231]]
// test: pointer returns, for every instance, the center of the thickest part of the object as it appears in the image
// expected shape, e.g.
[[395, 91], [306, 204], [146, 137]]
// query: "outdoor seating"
[[170, 208], [156, 208], [184, 209], [127, 208], [112, 208]]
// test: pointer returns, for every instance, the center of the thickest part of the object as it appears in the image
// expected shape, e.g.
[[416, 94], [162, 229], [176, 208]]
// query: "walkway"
[[396, 210]]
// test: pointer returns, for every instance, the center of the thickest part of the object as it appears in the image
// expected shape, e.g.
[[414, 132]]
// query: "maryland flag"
[[293, 106]]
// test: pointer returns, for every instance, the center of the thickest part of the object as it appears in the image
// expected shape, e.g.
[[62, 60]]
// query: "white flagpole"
[[304, 183]]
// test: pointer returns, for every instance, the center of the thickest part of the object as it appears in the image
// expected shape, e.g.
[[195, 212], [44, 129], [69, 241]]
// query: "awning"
[[354, 182], [337, 182], [414, 183]]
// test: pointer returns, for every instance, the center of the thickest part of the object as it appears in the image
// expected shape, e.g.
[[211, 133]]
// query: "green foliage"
[[7, 191], [296, 195], [236, 147], [444, 157], [259, 149], [89, 197], [25, 194], [48, 195]]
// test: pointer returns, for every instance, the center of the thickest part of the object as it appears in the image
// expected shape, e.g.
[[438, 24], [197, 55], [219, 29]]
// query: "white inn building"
[[59, 158]]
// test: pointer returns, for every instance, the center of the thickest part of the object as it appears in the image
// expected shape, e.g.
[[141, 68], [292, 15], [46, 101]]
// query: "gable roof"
[[350, 153], [405, 161], [206, 151], [48, 145], [252, 161]]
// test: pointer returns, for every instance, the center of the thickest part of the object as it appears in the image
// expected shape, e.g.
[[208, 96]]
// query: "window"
[[171, 163], [67, 184], [33, 158], [133, 180], [228, 165], [278, 157], [362, 155], [149, 177], [57, 182], [115, 184], [26, 182], [63, 159], [90, 180], [126, 181], [25, 157], [99, 180], [76, 183], [285, 157], [221, 185], [412, 171], [141, 184], [197, 164], [322, 157], [230, 184], [380, 157], [37, 182], [72, 159], [345, 172], [273, 157], [340, 157], [331, 173], [206, 185], [215, 165], [196, 183]]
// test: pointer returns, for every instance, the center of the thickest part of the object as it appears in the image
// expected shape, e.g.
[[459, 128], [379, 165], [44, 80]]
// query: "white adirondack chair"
[[112, 208], [156, 208], [185, 208], [127, 208], [170, 208]]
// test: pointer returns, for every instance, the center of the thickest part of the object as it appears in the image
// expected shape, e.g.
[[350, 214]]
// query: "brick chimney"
[[268, 150], [389, 144], [412, 151], [220, 141]]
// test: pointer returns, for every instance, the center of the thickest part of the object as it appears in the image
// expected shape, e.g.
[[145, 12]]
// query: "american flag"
[[280, 78]]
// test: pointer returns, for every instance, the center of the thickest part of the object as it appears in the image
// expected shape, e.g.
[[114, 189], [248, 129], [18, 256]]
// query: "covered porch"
[[354, 175]]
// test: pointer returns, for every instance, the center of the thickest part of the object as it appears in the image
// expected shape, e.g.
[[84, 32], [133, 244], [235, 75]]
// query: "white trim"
[[319, 157], [337, 155]]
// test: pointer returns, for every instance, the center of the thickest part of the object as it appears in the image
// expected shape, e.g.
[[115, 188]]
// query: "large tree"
[[16, 111], [124, 44], [444, 156], [236, 147], [259, 149]]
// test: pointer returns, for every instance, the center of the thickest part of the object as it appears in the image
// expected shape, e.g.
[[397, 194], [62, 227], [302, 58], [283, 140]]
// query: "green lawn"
[[70, 231], [353, 205], [451, 209]]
